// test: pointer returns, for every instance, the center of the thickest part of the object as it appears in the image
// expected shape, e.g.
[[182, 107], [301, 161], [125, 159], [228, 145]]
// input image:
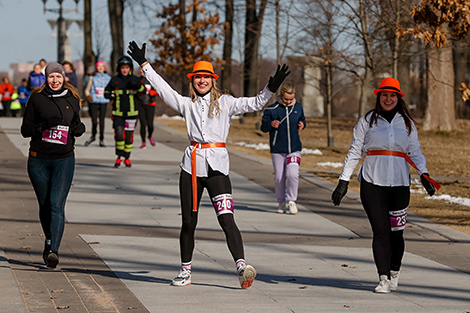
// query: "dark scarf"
[[389, 115]]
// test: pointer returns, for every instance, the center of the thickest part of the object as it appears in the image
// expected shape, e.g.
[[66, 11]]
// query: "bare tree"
[[88, 57], [116, 11], [253, 22], [226, 76]]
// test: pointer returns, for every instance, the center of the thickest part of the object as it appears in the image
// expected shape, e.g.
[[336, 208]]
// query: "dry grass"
[[447, 154]]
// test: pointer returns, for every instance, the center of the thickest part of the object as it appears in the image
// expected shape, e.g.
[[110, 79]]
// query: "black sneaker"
[[87, 143], [102, 143], [45, 252], [52, 259]]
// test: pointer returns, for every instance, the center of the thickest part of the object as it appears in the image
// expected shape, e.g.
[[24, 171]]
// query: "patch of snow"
[[330, 164]]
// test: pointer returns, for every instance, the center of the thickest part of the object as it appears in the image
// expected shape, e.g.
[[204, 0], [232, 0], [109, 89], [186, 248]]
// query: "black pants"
[[216, 184], [146, 116], [97, 111], [124, 139], [387, 246]]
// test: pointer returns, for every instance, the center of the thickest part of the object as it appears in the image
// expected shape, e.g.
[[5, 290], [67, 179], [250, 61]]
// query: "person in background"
[[283, 120], [147, 111], [205, 164], [97, 103], [52, 121], [123, 90], [6, 90], [70, 75], [43, 65], [387, 135], [36, 78], [15, 105], [23, 93]]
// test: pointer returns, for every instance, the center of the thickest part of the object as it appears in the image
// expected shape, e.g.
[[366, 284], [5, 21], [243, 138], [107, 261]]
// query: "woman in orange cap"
[[205, 162], [389, 138]]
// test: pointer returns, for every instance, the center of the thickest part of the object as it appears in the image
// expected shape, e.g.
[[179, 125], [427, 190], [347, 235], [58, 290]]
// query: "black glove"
[[138, 54], [340, 192], [78, 129], [427, 185], [276, 80]]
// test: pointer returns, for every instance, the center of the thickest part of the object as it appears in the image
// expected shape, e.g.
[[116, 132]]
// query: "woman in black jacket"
[[52, 120]]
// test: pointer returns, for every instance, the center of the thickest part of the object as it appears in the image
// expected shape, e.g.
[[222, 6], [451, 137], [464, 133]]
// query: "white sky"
[[26, 36]]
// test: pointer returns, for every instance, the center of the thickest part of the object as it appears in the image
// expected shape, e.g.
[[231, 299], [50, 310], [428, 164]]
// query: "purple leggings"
[[286, 175]]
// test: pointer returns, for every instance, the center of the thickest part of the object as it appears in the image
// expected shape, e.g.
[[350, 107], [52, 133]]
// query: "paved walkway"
[[120, 249]]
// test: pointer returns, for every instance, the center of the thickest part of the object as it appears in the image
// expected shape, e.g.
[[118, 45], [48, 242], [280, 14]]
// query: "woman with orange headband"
[[205, 162], [389, 138]]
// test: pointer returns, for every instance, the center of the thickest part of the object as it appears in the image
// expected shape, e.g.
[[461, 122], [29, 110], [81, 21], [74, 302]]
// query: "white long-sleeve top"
[[383, 170], [200, 127]]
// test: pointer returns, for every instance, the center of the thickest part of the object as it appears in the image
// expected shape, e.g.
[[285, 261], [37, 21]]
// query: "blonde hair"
[[214, 108], [67, 86], [286, 88]]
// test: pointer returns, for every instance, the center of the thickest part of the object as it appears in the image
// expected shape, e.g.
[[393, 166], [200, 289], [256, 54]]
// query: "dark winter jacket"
[[123, 90], [285, 138], [44, 111], [150, 95]]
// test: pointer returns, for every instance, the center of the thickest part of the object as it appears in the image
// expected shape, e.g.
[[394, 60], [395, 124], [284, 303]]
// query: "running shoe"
[[394, 279], [183, 278], [152, 141], [118, 162], [281, 209], [384, 285], [246, 275], [102, 144], [127, 162], [45, 252], [143, 145], [87, 143], [52, 259], [292, 207]]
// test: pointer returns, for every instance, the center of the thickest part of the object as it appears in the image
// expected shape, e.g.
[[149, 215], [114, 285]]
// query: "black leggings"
[[97, 112], [216, 184], [388, 246], [146, 116]]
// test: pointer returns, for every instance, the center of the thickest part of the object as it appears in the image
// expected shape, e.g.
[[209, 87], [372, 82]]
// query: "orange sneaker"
[[246, 276], [118, 162], [127, 162]]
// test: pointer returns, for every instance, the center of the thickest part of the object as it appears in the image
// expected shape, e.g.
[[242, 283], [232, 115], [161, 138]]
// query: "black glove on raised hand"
[[138, 54], [276, 80], [340, 192], [78, 129], [427, 185]]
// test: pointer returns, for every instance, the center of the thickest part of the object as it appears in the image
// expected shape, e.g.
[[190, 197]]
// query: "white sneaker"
[[183, 278], [246, 276], [292, 207], [394, 279], [281, 209], [384, 285]]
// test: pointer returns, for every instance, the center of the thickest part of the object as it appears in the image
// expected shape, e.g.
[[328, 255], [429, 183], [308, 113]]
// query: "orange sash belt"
[[408, 159], [193, 165]]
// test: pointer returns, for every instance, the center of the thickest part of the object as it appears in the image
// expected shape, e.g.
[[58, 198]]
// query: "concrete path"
[[121, 250]]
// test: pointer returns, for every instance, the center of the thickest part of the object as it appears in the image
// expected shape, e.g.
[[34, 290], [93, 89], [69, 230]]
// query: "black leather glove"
[[78, 129], [340, 192], [427, 185], [138, 54], [276, 80]]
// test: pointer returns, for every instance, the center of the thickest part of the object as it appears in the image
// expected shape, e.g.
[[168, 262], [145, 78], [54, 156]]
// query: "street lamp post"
[[61, 27]]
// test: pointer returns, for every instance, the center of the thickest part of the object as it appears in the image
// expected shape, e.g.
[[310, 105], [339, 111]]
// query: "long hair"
[[402, 108], [67, 86], [214, 108]]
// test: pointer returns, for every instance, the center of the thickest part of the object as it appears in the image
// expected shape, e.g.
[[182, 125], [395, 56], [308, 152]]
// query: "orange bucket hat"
[[203, 67], [389, 84]]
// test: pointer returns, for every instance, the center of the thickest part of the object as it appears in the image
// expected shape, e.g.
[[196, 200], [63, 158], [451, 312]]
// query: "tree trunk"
[[460, 53], [440, 113], [226, 76], [184, 80], [368, 66], [89, 57], [116, 10], [329, 96], [252, 35]]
